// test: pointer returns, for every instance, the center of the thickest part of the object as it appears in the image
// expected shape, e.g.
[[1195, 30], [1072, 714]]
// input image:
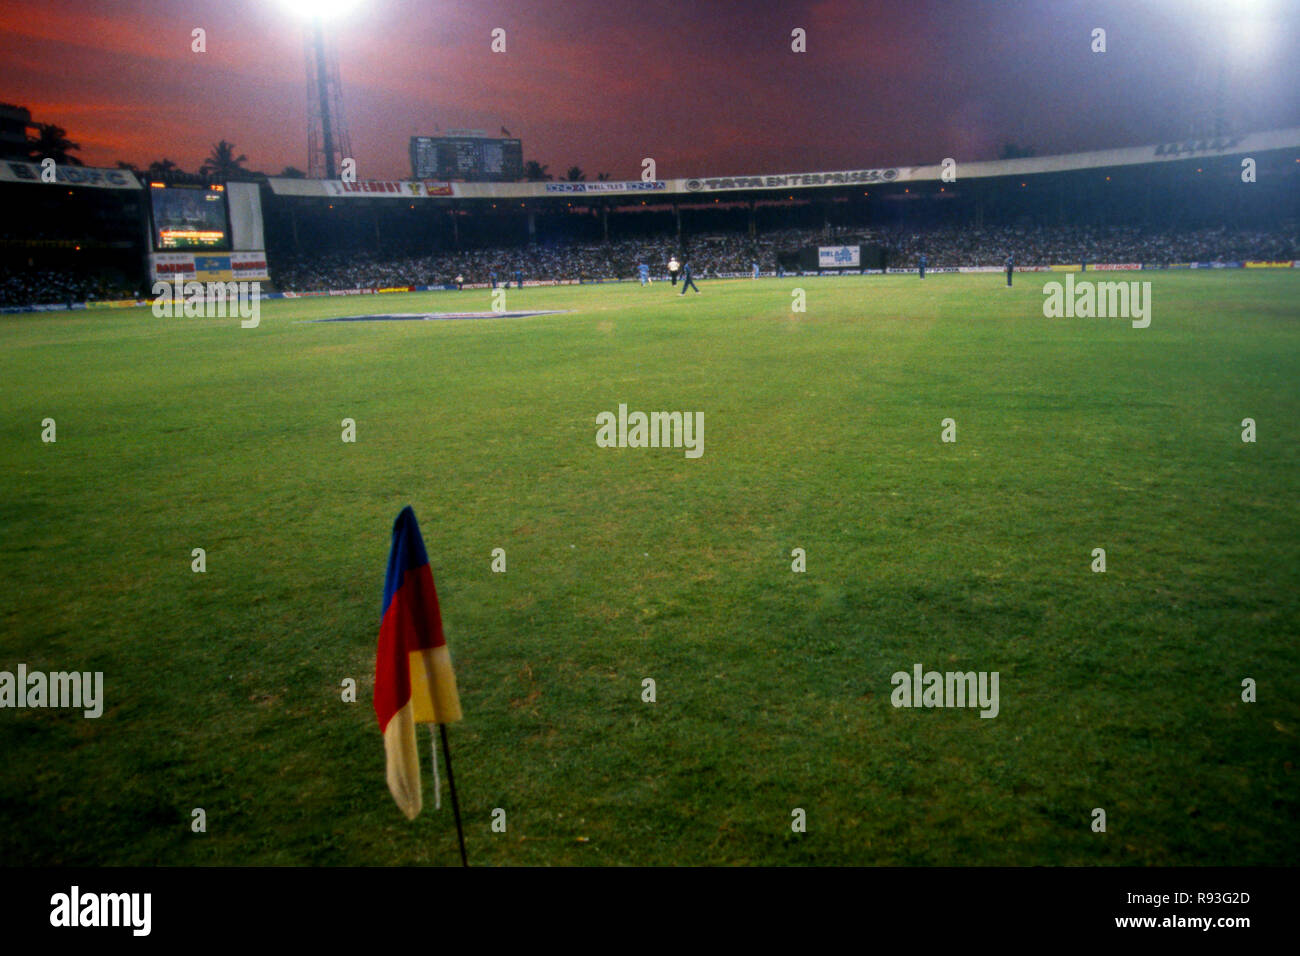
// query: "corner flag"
[[414, 682]]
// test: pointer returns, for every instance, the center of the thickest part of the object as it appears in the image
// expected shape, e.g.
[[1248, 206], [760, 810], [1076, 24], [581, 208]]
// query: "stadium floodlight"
[[319, 9], [327, 138], [1240, 31], [1248, 38], [1232, 39]]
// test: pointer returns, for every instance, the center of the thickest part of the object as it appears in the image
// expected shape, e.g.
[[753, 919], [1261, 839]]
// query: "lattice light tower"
[[328, 143]]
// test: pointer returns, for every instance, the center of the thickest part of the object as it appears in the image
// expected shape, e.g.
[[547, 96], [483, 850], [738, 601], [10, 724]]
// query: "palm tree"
[[222, 163], [535, 172], [162, 168], [602, 177], [52, 143], [575, 174], [129, 167]]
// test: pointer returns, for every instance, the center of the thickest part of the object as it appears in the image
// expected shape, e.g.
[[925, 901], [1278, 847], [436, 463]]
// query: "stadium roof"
[[1130, 156], [18, 171]]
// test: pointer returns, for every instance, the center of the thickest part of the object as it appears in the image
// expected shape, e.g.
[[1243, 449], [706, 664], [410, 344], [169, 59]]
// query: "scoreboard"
[[189, 217], [466, 158]]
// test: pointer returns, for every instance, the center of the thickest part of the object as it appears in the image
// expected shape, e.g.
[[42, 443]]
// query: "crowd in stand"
[[586, 261], [19, 287], [1041, 246], [736, 253], [709, 255]]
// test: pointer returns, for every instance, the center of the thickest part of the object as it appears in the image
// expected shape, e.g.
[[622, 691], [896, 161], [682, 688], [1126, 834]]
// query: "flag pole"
[[451, 785]]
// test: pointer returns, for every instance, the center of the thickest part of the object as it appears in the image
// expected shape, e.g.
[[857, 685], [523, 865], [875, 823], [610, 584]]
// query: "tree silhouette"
[[602, 177], [1012, 151], [222, 163], [535, 172], [575, 174], [292, 172], [52, 142], [162, 168]]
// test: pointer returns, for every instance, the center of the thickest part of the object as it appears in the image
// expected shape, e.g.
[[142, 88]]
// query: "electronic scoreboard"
[[466, 158], [189, 217]]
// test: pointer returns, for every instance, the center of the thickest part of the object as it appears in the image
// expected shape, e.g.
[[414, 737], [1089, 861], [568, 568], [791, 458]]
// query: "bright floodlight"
[[319, 9], [1247, 37]]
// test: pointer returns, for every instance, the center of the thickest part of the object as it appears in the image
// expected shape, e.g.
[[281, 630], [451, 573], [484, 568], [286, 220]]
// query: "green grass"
[[1118, 690]]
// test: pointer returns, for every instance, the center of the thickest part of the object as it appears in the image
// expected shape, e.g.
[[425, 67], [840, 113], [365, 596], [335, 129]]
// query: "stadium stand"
[[946, 247], [29, 286], [718, 254], [87, 237]]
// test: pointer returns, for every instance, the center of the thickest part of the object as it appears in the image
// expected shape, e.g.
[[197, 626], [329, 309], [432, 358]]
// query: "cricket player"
[[687, 280], [644, 270], [923, 265], [674, 267], [1010, 269]]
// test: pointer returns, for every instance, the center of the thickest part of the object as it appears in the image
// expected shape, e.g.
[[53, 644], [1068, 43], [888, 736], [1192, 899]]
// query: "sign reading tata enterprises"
[[850, 177]]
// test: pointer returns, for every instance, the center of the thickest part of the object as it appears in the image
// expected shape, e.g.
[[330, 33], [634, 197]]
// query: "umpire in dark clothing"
[[686, 278]]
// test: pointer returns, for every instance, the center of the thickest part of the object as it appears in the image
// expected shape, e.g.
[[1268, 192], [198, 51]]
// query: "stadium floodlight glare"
[[319, 9], [1249, 37], [327, 138], [1242, 30]]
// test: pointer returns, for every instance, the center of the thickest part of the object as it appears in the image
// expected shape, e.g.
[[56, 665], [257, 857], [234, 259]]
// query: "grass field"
[[1119, 690]]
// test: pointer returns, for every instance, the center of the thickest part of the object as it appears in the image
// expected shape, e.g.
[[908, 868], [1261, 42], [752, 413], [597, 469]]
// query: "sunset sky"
[[704, 87]]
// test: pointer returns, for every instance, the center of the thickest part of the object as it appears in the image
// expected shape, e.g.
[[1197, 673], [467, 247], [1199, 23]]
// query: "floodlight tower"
[[1227, 44], [1207, 119], [328, 143]]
